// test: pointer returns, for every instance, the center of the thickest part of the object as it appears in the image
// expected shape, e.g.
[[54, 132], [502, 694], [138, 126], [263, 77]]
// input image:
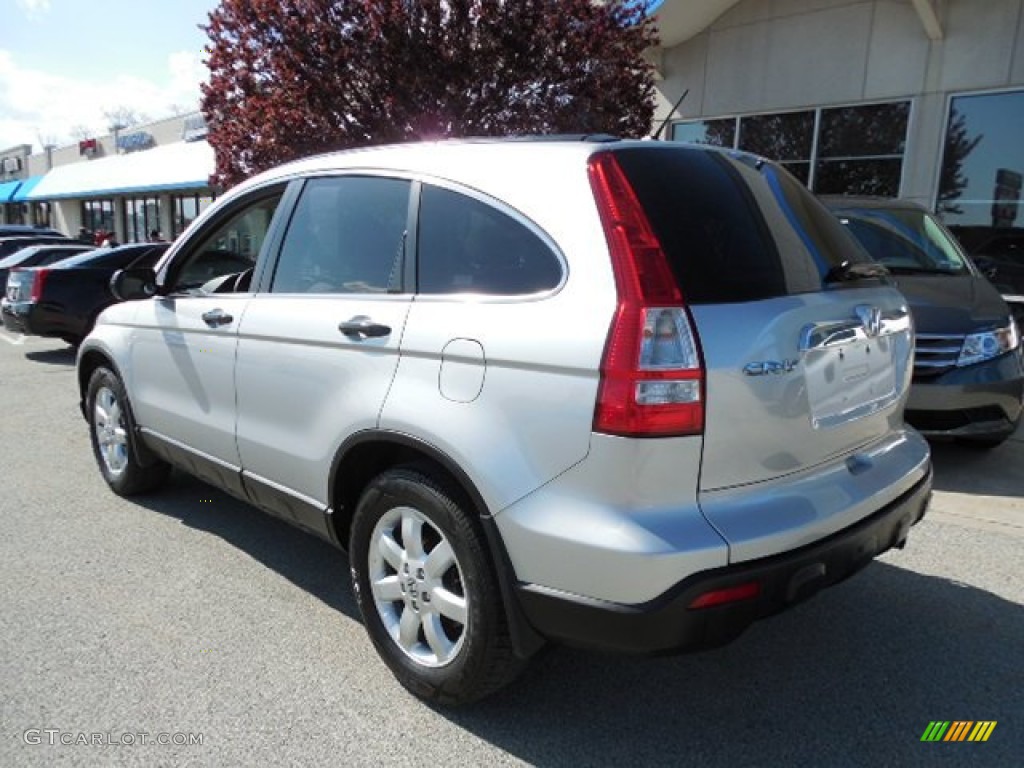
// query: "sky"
[[64, 62]]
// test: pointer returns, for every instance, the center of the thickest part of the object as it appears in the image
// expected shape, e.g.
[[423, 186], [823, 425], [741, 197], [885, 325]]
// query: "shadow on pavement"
[[60, 356], [852, 677], [308, 562], [995, 472]]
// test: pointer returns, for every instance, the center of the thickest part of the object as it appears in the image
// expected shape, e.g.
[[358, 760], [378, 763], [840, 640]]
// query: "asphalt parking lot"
[[188, 612]]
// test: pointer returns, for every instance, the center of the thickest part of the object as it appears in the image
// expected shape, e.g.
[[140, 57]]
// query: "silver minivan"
[[620, 394]]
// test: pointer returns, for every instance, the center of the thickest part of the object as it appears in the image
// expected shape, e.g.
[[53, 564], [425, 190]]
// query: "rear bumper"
[[16, 316], [981, 400], [668, 624]]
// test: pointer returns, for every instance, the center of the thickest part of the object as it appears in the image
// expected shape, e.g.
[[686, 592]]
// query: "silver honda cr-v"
[[611, 393]]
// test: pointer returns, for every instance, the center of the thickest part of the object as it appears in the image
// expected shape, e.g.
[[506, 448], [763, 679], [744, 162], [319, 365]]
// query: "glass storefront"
[[42, 214], [97, 215], [855, 150], [185, 209], [141, 216], [982, 170]]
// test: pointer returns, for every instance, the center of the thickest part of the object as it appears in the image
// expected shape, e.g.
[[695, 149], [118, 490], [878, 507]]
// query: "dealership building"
[[130, 182], [922, 99]]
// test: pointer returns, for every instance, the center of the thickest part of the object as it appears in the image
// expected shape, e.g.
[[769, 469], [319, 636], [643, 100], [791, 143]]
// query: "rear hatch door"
[[802, 365]]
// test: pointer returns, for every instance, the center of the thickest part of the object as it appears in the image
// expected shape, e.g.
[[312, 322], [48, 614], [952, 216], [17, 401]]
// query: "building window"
[[141, 216], [185, 209], [97, 215], [786, 136], [41, 214], [860, 149], [980, 181], [856, 150], [717, 133]]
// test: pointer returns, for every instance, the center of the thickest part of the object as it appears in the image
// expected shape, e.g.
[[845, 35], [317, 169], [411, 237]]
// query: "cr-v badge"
[[765, 367]]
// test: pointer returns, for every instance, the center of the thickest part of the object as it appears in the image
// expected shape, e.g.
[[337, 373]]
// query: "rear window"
[[734, 228], [468, 246]]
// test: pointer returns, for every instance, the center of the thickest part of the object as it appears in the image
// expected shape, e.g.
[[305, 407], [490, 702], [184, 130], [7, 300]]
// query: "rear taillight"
[[38, 279], [652, 378]]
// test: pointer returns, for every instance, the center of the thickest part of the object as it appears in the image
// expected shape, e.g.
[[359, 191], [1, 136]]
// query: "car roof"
[[464, 159]]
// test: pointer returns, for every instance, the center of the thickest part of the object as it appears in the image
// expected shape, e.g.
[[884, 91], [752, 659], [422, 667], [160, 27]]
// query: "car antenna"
[[657, 134]]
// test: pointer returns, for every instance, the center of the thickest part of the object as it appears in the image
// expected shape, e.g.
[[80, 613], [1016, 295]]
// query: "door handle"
[[362, 327], [217, 317]]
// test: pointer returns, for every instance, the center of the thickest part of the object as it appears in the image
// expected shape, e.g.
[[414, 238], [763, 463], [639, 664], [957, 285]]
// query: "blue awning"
[[21, 193], [7, 189]]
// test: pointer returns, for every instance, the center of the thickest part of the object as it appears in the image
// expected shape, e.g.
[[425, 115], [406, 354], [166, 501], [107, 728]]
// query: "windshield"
[[906, 240]]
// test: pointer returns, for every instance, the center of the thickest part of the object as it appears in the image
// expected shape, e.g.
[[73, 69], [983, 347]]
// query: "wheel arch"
[[366, 454], [91, 360], [88, 362]]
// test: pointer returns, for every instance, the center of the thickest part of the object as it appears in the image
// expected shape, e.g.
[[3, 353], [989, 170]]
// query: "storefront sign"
[[87, 147], [132, 142], [194, 128]]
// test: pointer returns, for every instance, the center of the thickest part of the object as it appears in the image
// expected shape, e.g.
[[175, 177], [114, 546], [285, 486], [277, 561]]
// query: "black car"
[[26, 230], [38, 256], [64, 299], [9, 245]]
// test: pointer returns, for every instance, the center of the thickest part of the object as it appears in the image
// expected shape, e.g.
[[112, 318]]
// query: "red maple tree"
[[290, 78]]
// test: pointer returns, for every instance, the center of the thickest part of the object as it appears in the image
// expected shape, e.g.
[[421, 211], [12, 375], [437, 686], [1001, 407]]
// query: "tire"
[[441, 626], [111, 432]]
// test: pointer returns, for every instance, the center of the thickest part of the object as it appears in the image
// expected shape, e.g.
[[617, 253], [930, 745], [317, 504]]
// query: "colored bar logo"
[[958, 730]]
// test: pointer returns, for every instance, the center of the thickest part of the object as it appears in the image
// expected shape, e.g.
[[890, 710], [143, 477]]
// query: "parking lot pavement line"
[[15, 340]]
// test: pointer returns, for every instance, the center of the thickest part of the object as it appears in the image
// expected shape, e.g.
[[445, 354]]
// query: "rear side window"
[[468, 246], [734, 229]]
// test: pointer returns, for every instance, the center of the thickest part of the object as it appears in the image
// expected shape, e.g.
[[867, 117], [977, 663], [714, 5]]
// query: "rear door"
[[800, 368]]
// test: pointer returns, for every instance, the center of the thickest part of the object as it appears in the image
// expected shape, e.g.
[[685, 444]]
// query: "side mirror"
[[131, 284]]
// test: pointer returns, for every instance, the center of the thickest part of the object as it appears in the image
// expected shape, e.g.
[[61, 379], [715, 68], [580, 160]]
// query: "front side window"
[[906, 240], [231, 248], [347, 235], [468, 246]]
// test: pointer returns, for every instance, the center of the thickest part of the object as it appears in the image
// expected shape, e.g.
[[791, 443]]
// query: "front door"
[[183, 351], [319, 347]]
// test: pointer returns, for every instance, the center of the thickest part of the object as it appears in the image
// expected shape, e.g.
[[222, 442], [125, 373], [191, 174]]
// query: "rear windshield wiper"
[[855, 270]]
